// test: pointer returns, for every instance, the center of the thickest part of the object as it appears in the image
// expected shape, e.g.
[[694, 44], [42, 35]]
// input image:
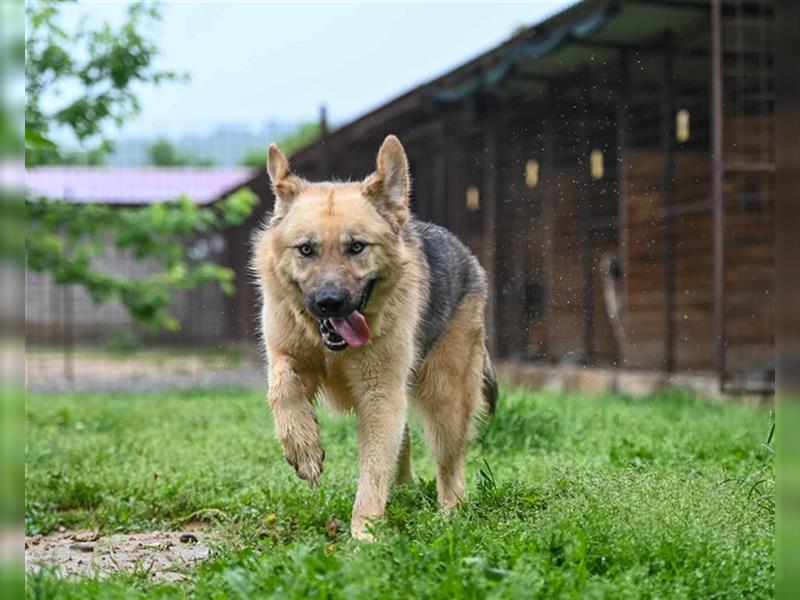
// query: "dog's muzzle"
[[332, 340]]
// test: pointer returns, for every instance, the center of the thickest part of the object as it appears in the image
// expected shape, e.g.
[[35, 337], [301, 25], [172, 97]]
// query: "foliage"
[[302, 136], [91, 157], [163, 153], [610, 498], [65, 239], [106, 65], [305, 134], [255, 159], [12, 59]]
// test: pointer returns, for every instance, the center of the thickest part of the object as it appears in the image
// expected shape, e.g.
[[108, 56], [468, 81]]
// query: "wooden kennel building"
[[630, 136]]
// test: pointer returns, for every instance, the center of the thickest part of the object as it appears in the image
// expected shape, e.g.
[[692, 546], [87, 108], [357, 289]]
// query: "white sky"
[[252, 62]]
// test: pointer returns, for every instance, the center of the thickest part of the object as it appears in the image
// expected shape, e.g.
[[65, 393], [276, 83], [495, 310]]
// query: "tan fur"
[[376, 380], [447, 391]]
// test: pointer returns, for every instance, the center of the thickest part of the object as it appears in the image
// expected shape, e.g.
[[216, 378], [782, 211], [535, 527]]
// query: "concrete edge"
[[628, 382]]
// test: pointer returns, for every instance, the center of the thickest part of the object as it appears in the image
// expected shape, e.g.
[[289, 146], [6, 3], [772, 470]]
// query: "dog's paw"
[[359, 531], [449, 503], [307, 460]]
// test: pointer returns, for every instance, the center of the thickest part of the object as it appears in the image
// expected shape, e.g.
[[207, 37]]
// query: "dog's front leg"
[[381, 419], [296, 424]]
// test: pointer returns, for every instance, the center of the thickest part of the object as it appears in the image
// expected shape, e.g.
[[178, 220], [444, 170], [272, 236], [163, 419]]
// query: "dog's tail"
[[489, 385]]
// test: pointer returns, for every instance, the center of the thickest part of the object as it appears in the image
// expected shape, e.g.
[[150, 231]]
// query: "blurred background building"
[[613, 168]]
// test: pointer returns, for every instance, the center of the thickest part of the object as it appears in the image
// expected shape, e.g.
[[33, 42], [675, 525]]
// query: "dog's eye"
[[305, 249], [357, 247]]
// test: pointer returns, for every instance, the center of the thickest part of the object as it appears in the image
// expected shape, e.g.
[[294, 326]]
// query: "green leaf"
[[34, 139], [105, 65]]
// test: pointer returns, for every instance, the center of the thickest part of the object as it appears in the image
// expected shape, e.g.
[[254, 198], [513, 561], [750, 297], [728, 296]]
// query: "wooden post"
[[668, 201], [69, 333], [716, 192], [324, 165], [441, 174], [587, 262], [548, 181], [622, 97], [455, 215], [491, 198]]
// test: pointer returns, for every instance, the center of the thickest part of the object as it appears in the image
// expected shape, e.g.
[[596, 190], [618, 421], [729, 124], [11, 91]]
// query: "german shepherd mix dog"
[[371, 310]]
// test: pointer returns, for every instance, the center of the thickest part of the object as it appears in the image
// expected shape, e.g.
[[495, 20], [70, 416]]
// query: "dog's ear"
[[285, 184], [389, 186]]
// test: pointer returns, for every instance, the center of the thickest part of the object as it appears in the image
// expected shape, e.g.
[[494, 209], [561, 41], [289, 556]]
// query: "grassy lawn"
[[570, 496]]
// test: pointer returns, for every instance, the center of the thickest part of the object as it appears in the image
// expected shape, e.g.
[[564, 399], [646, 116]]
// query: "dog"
[[371, 311]]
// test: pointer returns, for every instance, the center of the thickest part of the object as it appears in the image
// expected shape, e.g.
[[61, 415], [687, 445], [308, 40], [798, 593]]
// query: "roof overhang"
[[588, 35]]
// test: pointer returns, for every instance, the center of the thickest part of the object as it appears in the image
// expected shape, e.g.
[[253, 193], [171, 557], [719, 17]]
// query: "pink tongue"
[[353, 328]]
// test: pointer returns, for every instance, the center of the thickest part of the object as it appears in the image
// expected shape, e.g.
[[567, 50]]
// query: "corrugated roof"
[[527, 51], [141, 185]]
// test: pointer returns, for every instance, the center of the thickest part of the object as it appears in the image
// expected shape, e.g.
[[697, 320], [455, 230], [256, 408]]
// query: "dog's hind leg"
[[404, 473], [449, 394]]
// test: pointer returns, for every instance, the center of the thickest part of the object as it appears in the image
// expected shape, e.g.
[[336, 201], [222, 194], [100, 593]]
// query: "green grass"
[[569, 496]]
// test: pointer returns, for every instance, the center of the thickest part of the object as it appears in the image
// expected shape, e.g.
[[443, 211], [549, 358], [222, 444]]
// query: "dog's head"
[[335, 243]]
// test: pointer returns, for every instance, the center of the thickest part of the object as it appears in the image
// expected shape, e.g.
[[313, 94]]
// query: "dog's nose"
[[330, 301]]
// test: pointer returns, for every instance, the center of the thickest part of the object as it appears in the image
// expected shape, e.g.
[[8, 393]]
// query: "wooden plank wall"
[[645, 296], [693, 319], [642, 266], [748, 190]]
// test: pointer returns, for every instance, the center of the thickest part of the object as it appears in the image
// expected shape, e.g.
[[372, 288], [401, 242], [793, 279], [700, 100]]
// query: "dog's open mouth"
[[351, 330], [338, 334]]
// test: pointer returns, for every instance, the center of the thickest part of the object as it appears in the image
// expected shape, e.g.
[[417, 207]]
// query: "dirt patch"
[[48, 371], [159, 555]]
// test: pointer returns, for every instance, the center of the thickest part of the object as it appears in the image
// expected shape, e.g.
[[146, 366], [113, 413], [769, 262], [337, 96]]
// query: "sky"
[[253, 62]]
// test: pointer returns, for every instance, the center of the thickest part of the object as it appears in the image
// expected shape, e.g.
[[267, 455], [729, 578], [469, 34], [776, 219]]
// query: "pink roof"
[[139, 185]]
